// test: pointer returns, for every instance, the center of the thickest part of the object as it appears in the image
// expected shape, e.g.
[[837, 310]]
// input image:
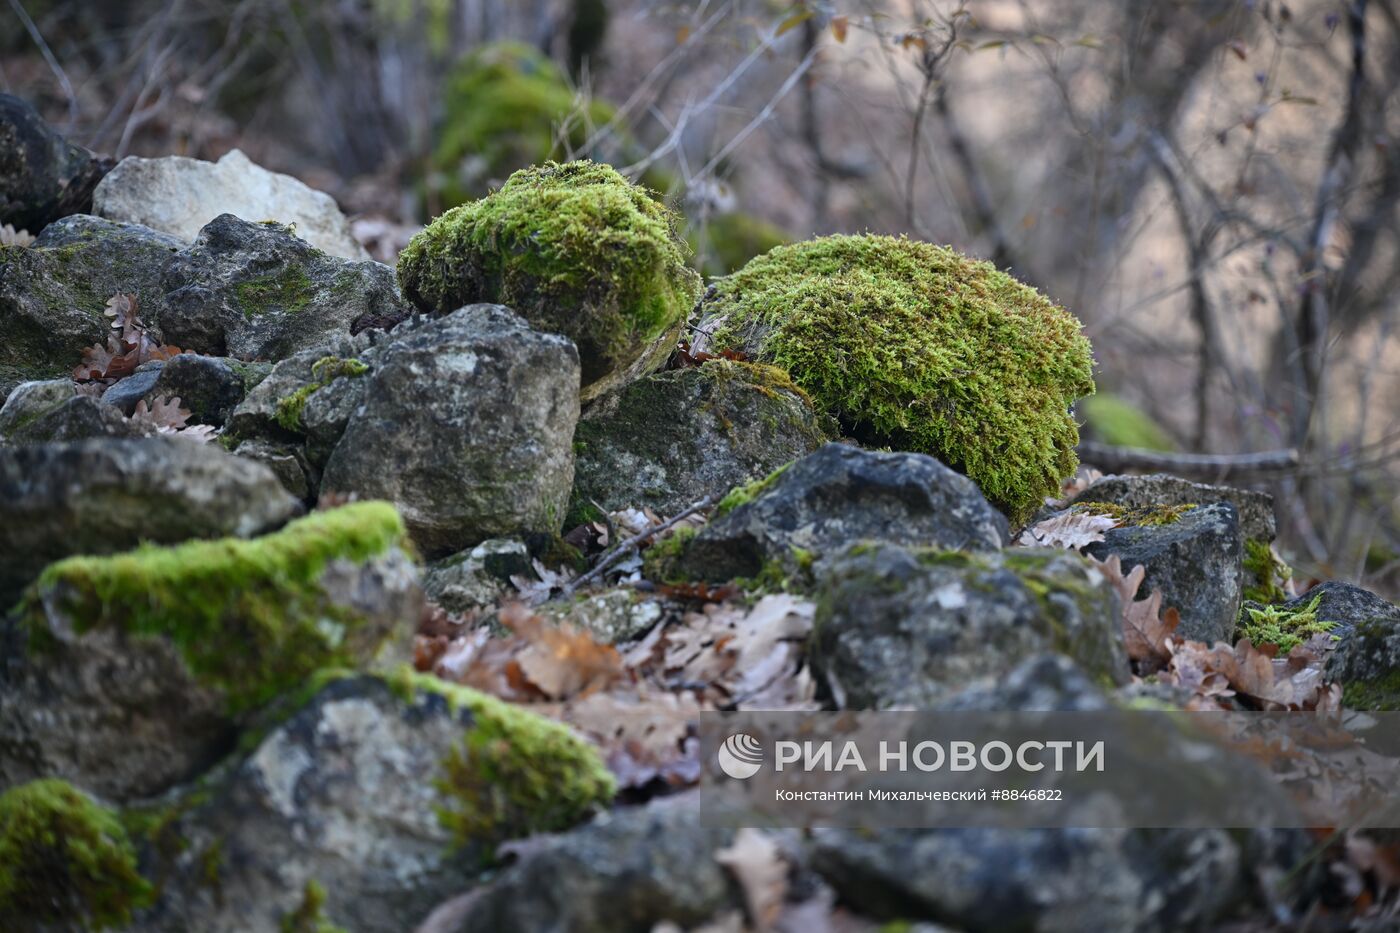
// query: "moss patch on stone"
[[661, 562], [515, 772], [921, 348], [574, 248], [65, 861], [743, 495], [324, 371], [1382, 694], [1144, 517], [1287, 629], [1266, 574], [289, 289], [310, 914], [248, 616], [1112, 419]]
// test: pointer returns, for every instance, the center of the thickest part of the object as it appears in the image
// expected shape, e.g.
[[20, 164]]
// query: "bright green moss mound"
[[65, 861], [574, 248], [920, 348], [1116, 421], [1274, 625], [248, 616], [505, 106], [516, 772], [1266, 575]]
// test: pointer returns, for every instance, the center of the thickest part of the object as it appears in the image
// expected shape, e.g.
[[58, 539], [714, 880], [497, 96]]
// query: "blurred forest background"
[[1212, 186]]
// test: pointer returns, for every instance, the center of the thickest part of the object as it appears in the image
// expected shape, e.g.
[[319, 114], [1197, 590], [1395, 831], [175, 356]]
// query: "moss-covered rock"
[[1266, 574], [385, 793], [906, 627], [131, 672], [65, 861], [674, 437], [1367, 664], [505, 106], [576, 250], [921, 348]]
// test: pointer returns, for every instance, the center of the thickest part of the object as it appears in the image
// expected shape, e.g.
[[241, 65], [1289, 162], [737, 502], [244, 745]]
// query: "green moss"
[[661, 561], [289, 289], [1266, 574], [64, 861], [1382, 694], [1143, 517], [1287, 629], [506, 106], [921, 348], [727, 241], [515, 773], [574, 248], [1111, 419], [743, 495], [323, 372], [248, 616], [310, 915]]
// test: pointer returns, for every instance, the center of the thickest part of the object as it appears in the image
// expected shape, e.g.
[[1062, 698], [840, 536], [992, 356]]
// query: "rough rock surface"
[[675, 437], [1367, 664], [1195, 560], [179, 196], [467, 426], [209, 387], [100, 497], [52, 294], [612, 617], [836, 497], [1343, 603], [128, 714], [1042, 880], [341, 794], [903, 627], [256, 291], [1255, 509], [477, 576], [80, 418], [42, 176], [628, 870], [30, 401]]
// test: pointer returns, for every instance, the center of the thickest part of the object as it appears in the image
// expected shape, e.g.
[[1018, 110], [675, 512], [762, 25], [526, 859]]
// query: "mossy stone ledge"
[[65, 861], [920, 348], [576, 250]]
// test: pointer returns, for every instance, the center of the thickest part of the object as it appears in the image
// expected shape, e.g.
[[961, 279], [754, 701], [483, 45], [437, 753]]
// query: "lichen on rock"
[[576, 250], [921, 348]]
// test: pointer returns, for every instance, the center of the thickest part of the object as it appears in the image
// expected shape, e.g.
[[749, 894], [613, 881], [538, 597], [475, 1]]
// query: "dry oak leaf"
[[1147, 630], [1069, 529], [561, 660]]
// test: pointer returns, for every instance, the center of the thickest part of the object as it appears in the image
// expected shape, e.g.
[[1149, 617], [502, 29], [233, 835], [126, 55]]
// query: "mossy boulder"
[[674, 437], [110, 495], [785, 524], [576, 250], [1367, 664], [504, 107], [1193, 554], [920, 348], [132, 672], [906, 627], [385, 793], [65, 861], [52, 293], [1255, 509], [256, 291]]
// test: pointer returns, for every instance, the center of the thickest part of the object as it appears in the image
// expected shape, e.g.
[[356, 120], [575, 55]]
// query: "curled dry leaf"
[[1147, 630], [1068, 529]]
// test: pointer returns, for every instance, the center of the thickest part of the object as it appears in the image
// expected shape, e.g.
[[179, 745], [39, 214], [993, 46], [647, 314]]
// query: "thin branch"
[[49, 59], [631, 544], [1108, 457]]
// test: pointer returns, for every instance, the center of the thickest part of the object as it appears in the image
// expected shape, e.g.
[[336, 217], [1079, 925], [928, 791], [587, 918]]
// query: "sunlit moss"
[[923, 349]]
